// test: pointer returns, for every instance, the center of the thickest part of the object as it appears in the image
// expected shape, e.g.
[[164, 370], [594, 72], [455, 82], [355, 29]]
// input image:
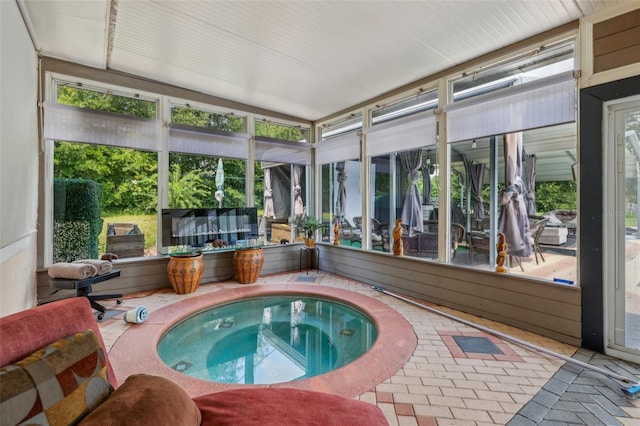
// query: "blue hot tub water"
[[267, 340]]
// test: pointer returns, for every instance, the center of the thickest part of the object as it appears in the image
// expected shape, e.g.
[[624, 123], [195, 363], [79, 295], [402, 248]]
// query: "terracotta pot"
[[185, 272], [247, 264], [310, 242]]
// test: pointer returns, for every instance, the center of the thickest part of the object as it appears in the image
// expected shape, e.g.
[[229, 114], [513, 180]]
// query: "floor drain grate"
[[478, 345]]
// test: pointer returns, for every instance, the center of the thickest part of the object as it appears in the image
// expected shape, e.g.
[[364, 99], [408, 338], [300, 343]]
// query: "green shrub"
[[77, 205], [70, 241]]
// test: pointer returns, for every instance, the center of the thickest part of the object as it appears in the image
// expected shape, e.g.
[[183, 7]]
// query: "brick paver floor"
[[459, 375]]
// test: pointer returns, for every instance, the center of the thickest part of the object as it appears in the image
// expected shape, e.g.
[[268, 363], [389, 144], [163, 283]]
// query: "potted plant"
[[310, 225]]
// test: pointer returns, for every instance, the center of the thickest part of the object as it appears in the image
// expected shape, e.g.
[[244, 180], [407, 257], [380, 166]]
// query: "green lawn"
[[147, 224]]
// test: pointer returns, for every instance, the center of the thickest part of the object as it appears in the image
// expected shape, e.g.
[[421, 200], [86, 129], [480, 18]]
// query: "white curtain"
[[279, 151], [199, 140], [403, 134], [540, 103], [73, 124], [340, 148]]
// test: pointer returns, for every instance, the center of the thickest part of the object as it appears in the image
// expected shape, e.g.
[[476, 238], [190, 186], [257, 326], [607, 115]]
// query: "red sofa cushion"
[[32, 329], [285, 406]]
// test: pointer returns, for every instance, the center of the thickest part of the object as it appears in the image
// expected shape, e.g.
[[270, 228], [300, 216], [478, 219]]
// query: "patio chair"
[[457, 236], [537, 225], [481, 225], [425, 244], [378, 237], [478, 242], [349, 234], [386, 238]]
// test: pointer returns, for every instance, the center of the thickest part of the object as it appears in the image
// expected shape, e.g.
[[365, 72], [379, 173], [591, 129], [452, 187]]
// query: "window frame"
[[163, 113]]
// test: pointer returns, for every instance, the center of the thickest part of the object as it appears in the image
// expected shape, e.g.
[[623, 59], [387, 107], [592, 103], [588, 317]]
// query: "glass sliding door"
[[623, 236]]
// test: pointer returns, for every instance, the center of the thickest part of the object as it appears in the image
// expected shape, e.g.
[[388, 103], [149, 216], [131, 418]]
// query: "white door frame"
[[614, 224]]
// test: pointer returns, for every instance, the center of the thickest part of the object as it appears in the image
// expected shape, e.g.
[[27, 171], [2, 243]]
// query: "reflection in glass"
[[267, 340], [627, 318], [547, 161], [342, 201]]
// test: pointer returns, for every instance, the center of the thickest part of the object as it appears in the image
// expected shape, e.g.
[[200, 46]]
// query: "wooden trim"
[[616, 59], [597, 69], [616, 42], [616, 24]]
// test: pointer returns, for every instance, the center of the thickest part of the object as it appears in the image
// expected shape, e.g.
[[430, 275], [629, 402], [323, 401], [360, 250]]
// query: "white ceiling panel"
[[307, 59], [72, 30]]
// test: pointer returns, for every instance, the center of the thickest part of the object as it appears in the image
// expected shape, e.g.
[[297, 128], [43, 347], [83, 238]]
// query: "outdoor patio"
[[559, 262]]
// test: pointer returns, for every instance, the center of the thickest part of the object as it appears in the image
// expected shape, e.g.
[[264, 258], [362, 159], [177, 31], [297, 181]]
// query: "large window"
[[110, 146], [509, 166], [200, 174], [283, 154], [546, 60], [338, 154], [536, 212], [402, 152], [512, 154], [105, 172]]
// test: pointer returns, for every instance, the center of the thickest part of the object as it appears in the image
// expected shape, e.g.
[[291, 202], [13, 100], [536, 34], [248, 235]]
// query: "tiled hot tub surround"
[[135, 351]]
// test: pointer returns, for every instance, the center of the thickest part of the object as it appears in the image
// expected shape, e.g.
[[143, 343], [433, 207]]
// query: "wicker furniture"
[[425, 244], [379, 233], [479, 243]]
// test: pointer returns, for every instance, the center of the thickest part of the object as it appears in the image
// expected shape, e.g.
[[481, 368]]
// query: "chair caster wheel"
[[100, 317], [119, 301]]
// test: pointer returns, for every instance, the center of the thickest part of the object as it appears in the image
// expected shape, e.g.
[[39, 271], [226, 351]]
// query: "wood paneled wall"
[[544, 308], [616, 42], [139, 275]]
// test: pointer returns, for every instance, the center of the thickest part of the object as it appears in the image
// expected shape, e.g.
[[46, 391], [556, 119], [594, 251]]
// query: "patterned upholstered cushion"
[[57, 385]]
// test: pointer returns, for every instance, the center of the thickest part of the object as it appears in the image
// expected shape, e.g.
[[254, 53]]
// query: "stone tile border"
[[135, 351]]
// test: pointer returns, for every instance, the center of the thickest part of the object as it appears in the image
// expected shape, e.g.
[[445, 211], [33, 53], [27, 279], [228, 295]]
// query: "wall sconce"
[[473, 144]]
